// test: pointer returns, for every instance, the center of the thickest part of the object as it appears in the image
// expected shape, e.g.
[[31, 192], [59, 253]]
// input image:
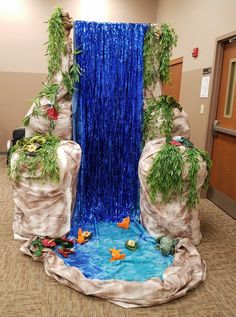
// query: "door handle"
[[215, 125], [216, 128]]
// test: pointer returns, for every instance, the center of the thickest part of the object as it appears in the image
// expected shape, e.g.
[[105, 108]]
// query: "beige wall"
[[198, 24], [22, 33], [17, 90], [23, 30]]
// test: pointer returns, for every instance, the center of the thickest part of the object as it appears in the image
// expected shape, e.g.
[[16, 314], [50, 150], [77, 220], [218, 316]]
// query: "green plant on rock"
[[206, 158], [159, 108], [158, 45], [49, 91], [165, 176], [56, 49], [37, 153]]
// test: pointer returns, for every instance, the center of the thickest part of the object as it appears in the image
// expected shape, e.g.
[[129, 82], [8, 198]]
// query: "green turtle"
[[37, 247], [166, 245]]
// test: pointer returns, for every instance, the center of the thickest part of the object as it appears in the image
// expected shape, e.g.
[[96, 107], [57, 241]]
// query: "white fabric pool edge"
[[186, 272]]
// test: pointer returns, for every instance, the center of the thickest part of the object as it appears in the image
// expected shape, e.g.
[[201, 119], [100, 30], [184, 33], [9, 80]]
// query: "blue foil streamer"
[[107, 115]]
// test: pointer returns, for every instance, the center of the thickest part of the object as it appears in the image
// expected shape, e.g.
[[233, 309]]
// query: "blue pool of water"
[[93, 257]]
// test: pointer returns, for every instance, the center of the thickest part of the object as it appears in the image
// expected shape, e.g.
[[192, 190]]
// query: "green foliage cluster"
[[162, 108], [71, 78], [158, 44], [192, 159], [56, 45], [165, 175], [35, 153], [49, 91]]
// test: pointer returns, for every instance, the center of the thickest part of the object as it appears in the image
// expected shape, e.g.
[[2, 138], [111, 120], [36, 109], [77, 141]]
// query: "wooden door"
[[223, 177], [173, 88]]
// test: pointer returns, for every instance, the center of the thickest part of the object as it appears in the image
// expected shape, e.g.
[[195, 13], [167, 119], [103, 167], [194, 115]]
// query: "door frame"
[[216, 76], [217, 197], [173, 62]]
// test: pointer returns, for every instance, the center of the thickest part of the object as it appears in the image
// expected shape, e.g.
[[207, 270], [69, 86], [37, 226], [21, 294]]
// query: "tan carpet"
[[26, 290]]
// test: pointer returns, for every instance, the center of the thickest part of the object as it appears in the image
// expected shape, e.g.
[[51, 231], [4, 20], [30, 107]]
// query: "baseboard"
[[222, 201]]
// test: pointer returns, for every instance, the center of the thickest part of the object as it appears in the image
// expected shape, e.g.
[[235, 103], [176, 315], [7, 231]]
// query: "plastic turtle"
[[166, 245], [186, 142], [37, 247]]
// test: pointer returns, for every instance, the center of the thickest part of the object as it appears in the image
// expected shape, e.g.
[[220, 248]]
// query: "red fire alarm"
[[195, 52]]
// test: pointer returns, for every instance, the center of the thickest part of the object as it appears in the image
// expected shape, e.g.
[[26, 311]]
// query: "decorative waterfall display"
[[107, 124]]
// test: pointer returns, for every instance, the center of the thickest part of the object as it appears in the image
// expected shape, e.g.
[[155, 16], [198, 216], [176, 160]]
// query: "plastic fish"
[[50, 243], [81, 239], [124, 224], [116, 255]]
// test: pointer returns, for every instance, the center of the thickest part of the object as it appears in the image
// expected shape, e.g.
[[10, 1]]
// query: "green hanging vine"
[[163, 109], [165, 175], [71, 78], [56, 45], [35, 153], [158, 44]]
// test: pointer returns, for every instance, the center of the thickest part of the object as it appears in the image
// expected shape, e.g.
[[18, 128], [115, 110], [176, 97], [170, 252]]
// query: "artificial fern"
[[158, 44], [159, 108], [165, 176], [44, 158], [56, 45], [71, 78]]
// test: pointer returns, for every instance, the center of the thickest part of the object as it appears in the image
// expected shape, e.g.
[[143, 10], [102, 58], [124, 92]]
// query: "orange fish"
[[81, 238], [116, 255], [124, 224]]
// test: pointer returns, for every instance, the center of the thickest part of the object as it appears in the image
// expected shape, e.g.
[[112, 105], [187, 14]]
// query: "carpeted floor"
[[26, 290]]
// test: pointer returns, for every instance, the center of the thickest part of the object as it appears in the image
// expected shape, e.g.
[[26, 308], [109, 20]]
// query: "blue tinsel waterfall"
[[107, 119]]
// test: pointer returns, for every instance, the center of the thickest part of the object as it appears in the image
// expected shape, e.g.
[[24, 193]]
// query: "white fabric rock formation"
[[175, 218], [43, 208]]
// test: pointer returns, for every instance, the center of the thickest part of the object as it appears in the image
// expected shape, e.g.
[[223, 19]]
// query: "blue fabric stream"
[[93, 258]]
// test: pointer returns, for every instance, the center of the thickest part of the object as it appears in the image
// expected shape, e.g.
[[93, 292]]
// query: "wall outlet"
[[202, 109]]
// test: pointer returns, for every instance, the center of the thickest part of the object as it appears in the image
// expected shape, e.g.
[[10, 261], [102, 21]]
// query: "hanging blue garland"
[[107, 119]]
